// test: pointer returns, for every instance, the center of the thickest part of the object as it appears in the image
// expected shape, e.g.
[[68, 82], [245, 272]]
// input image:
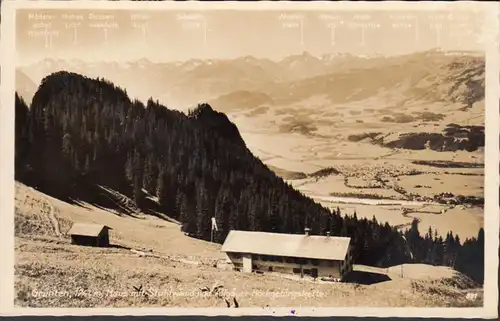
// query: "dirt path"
[[52, 218], [44, 209]]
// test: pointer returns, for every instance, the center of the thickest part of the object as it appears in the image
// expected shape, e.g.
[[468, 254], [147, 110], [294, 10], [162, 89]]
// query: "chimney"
[[306, 231], [328, 234]]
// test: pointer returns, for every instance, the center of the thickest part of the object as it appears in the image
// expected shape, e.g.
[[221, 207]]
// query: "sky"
[[125, 35]]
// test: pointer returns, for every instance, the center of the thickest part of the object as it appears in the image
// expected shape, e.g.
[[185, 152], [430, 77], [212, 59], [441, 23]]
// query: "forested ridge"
[[81, 132]]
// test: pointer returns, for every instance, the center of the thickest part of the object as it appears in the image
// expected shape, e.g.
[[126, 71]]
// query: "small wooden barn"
[[89, 234]]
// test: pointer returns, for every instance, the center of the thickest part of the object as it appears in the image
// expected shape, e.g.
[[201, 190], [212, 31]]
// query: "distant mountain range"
[[183, 84], [25, 87], [193, 80]]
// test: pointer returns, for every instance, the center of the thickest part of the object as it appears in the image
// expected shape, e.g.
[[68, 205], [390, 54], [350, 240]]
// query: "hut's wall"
[[104, 238], [84, 240], [321, 268], [346, 266]]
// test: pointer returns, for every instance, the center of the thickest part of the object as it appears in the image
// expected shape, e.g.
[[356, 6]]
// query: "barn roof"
[[87, 229], [291, 245]]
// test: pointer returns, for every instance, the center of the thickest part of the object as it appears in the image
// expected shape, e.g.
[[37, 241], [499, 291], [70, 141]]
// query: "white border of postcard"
[[491, 220]]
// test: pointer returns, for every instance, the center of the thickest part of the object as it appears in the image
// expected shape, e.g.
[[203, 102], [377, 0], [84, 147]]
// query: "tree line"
[[80, 132]]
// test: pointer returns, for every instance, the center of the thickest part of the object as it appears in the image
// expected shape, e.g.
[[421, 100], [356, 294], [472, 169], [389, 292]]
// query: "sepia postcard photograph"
[[250, 158]]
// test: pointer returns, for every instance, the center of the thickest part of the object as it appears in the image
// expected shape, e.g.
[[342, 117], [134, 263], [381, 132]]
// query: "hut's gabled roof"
[[86, 229], [291, 245]]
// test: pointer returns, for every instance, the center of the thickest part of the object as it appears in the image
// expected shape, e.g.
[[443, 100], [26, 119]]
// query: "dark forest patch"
[[301, 126], [325, 172], [359, 137], [429, 116], [286, 174], [453, 138], [448, 164], [257, 111]]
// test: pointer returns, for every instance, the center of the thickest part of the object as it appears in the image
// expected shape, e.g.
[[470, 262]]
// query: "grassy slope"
[[155, 254]]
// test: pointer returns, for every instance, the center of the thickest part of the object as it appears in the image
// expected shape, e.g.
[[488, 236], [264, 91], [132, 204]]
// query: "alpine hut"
[[300, 254], [89, 234]]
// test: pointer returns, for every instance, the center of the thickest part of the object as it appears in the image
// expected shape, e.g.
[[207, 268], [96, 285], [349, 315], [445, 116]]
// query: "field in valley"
[[366, 170], [172, 270]]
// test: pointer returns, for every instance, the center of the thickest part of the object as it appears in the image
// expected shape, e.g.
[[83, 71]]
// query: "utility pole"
[[214, 228]]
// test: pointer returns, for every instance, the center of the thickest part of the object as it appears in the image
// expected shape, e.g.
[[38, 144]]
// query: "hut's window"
[[296, 271], [270, 269]]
